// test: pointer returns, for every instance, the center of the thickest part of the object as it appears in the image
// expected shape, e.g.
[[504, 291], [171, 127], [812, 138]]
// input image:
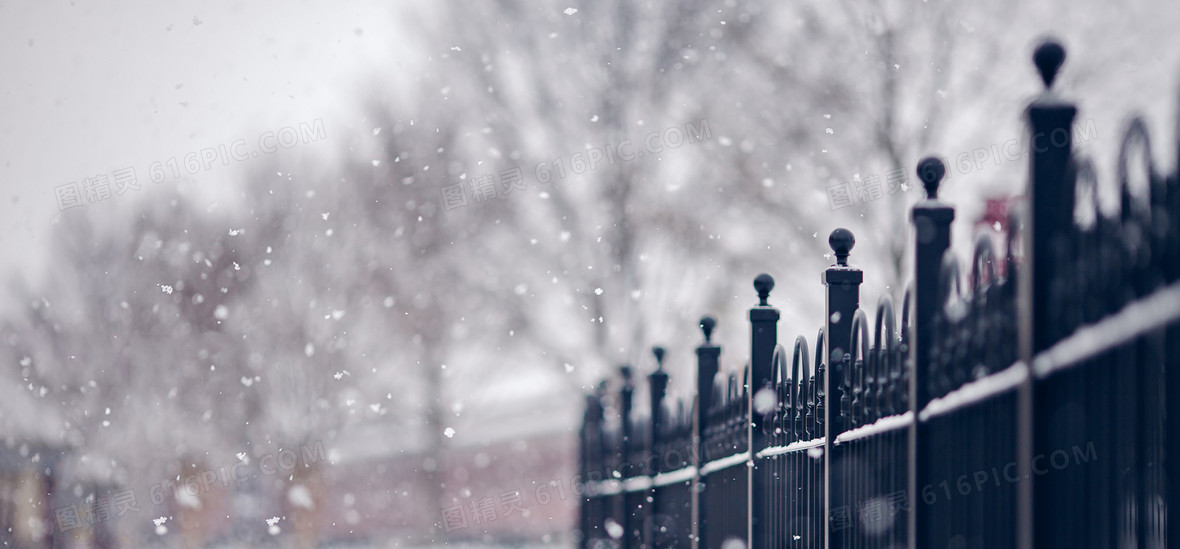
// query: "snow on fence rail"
[[890, 436]]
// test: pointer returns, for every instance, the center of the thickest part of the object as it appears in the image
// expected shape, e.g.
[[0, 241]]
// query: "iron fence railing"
[[1031, 403]]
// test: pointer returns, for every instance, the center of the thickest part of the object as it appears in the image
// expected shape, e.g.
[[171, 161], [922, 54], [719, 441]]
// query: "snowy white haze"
[[287, 275]]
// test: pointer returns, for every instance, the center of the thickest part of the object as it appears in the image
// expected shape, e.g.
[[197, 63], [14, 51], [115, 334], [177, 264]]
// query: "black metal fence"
[[1025, 406]]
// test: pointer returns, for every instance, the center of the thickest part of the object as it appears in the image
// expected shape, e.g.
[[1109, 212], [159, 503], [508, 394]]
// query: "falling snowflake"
[[765, 401], [613, 529], [187, 499], [300, 496], [570, 11], [449, 432], [733, 543]]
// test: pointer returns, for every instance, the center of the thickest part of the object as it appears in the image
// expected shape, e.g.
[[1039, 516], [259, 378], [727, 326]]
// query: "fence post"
[[1050, 213], [591, 453], [763, 339], [932, 236], [657, 382], [843, 299], [708, 360], [1050, 194], [626, 397]]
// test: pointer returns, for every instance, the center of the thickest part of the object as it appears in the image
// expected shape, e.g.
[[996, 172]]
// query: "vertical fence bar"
[[843, 299], [763, 338], [1172, 435], [595, 505], [1172, 383], [1172, 389], [1051, 206], [657, 381], [626, 398], [591, 453], [708, 360], [932, 236]]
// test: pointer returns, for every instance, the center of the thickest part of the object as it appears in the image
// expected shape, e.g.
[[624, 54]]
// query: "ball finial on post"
[[763, 284], [841, 241], [930, 171], [659, 354], [707, 324], [1049, 57]]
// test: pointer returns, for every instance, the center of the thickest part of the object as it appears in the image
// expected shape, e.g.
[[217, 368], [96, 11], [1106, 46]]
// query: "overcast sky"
[[91, 89]]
